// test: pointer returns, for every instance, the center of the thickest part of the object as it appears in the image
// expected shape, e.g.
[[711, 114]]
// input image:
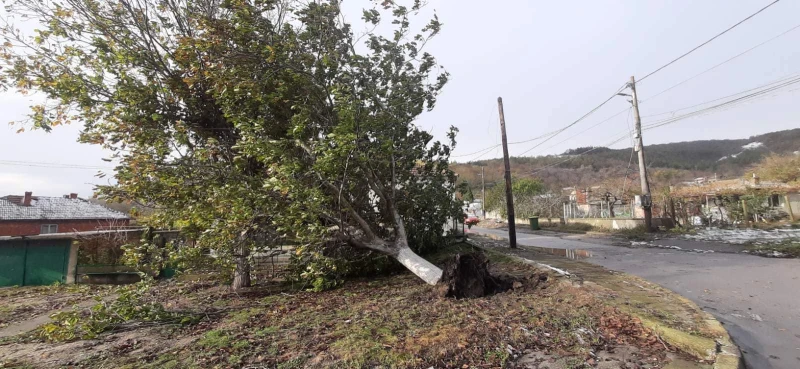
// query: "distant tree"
[[525, 191], [465, 190], [781, 168]]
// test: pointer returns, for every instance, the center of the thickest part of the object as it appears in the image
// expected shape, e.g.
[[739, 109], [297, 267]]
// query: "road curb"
[[714, 347]]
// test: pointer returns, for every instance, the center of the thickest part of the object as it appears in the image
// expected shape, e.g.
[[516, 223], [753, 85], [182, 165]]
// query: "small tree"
[[781, 168], [466, 191], [526, 202]]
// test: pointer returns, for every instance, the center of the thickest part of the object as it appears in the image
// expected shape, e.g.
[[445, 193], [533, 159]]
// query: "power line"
[[583, 153], [724, 62], [476, 152], [587, 129], [510, 143], [711, 39], [773, 82], [682, 117], [51, 165], [728, 103], [552, 134], [548, 135], [577, 121]]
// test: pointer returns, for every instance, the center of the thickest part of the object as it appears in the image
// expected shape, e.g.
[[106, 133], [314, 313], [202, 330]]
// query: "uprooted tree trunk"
[[463, 276], [422, 268], [467, 276]]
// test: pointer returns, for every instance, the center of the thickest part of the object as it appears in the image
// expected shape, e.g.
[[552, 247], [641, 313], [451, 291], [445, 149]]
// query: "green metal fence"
[[33, 262]]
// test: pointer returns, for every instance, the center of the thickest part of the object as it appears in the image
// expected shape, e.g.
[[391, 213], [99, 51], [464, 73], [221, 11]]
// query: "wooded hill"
[[668, 163]]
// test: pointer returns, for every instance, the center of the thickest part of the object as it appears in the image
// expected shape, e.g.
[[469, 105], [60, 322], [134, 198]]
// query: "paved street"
[[757, 299]]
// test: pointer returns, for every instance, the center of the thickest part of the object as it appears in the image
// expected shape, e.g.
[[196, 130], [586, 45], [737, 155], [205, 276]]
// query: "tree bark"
[[241, 275], [422, 268]]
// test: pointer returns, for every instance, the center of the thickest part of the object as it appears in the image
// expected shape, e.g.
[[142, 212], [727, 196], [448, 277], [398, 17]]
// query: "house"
[[780, 199], [597, 202], [600, 208], [30, 215]]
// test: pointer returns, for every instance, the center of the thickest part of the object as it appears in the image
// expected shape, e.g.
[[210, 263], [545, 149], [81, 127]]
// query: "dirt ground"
[[383, 322], [24, 303]]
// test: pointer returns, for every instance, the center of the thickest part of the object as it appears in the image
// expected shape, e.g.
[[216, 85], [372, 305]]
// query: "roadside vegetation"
[[566, 228], [785, 248]]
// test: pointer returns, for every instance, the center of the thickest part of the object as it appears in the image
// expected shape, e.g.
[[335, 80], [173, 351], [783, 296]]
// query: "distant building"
[[781, 199], [30, 215]]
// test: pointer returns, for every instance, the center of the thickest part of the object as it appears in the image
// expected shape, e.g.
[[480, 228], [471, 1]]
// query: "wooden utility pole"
[[512, 231], [646, 199], [483, 193]]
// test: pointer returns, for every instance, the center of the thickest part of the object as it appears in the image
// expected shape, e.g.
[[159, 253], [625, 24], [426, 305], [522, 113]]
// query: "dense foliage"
[[249, 123]]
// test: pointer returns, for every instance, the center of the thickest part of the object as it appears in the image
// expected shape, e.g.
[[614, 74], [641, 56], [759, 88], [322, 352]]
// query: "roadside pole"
[[483, 193], [646, 198], [512, 231]]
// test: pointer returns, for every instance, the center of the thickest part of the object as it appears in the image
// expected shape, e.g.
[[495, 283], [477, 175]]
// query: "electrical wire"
[[584, 131], [549, 135], [772, 88], [51, 165], [583, 153], [707, 42], [773, 82], [577, 121], [476, 152], [659, 93], [724, 62], [725, 104]]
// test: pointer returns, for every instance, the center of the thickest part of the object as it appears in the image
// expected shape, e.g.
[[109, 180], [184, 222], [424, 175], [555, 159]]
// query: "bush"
[[637, 234], [320, 268]]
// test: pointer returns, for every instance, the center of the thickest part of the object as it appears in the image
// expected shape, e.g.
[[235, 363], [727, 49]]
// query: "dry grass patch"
[[386, 322]]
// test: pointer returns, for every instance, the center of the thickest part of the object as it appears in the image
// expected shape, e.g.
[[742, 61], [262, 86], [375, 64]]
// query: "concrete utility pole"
[[646, 199], [512, 231], [483, 193]]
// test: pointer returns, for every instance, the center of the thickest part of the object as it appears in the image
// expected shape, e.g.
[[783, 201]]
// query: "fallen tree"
[[246, 122]]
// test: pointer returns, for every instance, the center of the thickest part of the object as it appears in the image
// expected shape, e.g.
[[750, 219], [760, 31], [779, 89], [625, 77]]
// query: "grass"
[[638, 233], [389, 322], [568, 228], [789, 248]]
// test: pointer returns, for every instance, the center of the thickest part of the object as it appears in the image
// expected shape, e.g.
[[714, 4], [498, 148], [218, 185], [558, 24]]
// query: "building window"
[[776, 201], [49, 228]]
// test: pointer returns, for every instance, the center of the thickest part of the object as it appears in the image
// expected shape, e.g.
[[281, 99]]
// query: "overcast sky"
[[552, 62]]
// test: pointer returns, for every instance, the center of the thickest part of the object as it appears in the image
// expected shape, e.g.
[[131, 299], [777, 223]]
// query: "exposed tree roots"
[[467, 276]]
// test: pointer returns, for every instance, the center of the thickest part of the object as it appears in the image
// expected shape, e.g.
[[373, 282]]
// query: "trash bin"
[[534, 223], [167, 273]]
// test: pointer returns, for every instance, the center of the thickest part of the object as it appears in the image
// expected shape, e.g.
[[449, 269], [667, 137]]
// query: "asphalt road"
[[757, 299]]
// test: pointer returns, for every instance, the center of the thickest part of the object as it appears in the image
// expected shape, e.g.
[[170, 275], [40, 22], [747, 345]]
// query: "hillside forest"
[[616, 170]]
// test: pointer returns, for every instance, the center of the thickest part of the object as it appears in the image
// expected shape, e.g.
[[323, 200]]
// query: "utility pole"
[[483, 193], [512, 231], [646, 199]]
